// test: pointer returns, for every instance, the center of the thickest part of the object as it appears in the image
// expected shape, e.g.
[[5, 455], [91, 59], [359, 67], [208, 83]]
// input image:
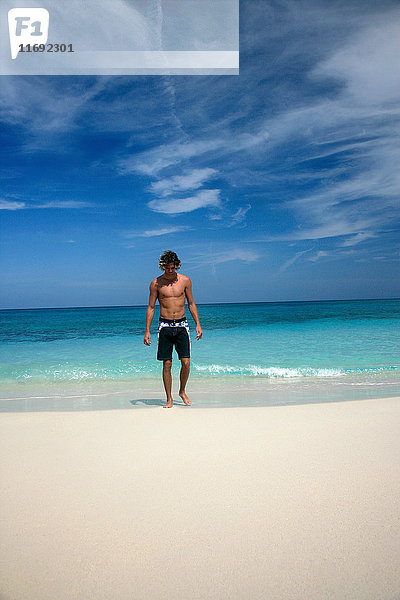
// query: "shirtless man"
[[172, 289]]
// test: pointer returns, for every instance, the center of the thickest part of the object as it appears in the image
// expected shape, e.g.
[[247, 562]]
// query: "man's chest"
[[171, 290]]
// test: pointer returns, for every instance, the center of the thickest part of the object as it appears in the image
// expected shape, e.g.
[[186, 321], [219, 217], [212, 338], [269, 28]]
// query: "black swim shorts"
[[173, 333]]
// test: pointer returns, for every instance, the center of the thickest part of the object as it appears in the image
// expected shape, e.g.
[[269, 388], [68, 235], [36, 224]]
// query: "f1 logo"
[[27, 26]]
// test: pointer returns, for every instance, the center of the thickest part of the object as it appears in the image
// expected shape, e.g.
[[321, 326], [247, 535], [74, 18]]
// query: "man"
[[172, 289]]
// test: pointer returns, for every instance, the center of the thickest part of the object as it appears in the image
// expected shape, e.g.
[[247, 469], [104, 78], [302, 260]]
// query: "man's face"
[[169, 269]]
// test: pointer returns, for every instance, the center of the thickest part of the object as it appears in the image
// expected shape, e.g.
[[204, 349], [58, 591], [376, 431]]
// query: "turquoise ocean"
[[250, 354]]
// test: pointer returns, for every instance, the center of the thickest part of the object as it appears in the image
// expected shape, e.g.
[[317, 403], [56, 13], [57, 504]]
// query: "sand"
[[285, 502]]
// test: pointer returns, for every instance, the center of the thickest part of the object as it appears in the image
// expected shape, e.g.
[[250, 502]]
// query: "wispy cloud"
[[203, 199], [226, 218], [357, 239], [239, 254], [240, 215], [11, 205], [68, 204], [292, 260], [156, 232], [334, 226], [364, 64], [318, 255], [222, 256], [63, 204], [152, 162], [179, 183], [45, 109]]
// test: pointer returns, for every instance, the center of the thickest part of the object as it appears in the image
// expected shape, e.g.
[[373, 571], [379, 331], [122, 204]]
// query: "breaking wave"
[[122, 370], [287, 372]]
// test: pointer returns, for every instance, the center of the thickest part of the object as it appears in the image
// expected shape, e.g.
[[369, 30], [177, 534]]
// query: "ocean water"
[[268, 353]]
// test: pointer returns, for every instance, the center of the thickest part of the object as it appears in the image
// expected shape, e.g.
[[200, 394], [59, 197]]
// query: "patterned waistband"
[[172, 321]]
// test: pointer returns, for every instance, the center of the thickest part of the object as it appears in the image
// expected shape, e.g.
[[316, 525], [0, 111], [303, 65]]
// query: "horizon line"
[[203, 304]]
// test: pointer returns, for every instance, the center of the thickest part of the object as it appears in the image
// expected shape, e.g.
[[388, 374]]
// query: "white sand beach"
[[283, 502]]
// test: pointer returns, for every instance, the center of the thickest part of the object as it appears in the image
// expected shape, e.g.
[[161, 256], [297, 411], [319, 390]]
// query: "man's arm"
[[150, 312], [193, 309]]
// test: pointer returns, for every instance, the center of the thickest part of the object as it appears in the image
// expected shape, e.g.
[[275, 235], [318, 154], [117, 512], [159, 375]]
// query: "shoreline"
[[210, 392], [285, 502]]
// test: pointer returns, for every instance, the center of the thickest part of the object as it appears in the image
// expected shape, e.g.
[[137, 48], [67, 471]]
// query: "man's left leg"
[[184, 376]]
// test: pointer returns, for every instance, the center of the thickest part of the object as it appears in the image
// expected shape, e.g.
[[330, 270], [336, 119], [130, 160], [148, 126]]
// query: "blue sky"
[[279, 184]]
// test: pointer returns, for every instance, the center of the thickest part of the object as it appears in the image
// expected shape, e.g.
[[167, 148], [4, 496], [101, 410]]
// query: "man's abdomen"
[[172, 307]]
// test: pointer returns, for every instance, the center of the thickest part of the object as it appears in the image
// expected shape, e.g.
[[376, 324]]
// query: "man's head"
[[169, 262]]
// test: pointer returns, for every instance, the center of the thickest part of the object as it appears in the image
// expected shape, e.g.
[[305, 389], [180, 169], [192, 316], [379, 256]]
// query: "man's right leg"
[[167, 379]]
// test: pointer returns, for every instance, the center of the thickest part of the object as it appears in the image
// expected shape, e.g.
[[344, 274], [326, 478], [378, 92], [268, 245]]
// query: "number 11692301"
[[46, 48]]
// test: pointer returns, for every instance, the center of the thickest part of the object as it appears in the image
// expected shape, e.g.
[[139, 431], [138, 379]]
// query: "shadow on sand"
[[80, 403], [155, 402]]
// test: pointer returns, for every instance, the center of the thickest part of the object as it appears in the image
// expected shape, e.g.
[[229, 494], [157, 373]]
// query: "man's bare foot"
[[185, 398], [169, 404]]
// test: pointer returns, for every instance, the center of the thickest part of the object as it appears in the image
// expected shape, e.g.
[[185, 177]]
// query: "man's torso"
[[171, 296]]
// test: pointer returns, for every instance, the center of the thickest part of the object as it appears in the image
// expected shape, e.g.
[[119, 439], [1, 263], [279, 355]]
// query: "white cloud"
[[156, 232], [62, 204], [292, 260], [365, 64], [226, 218], [357, 239], [190, 181], [44, 108], [318, 255], [239, 215], [11, 205], [203, 199], [216, 257], [152, 162], [334, 227], [235, 254]]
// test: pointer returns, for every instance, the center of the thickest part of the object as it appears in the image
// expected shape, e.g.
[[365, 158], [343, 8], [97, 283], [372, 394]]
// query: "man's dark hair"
[[169, 257]]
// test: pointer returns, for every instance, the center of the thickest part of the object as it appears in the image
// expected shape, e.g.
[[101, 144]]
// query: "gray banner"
[[133, 37]]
